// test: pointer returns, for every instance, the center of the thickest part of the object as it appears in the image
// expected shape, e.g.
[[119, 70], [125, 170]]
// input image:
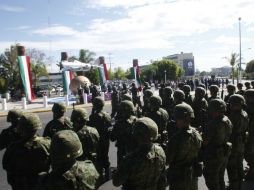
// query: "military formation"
[[170, 139]]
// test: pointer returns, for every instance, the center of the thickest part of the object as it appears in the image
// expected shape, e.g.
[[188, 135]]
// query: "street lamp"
[[165, 75], [240, 51]]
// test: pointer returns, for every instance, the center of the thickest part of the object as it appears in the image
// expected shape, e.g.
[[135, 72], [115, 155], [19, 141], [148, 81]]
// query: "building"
[[222, 71], [52, 79], [185, 60]]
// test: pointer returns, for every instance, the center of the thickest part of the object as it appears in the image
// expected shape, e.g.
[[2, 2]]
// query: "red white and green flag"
[[25, 73], [135, 72], [67, 77], [103, 73]]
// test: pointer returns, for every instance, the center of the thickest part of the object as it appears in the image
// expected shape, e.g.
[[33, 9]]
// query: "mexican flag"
[[67, 77], [135, 72], [25, 73], [103, 73]]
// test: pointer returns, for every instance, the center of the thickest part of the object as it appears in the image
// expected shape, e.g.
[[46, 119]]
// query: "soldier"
[[182, 150], [216, 146], [67, 173], [200, 107], [160, 117], [214, 89], [114, 101], [124, 90], [178, 97], [101, 120], [89, 136], [25, 159], [95, 92], [231, 91], [147, 95], [187, 97], [126, 97], [247, 85], [135, 97], [59, 122], [240, 121], [11, 134], [122, 130], [168, 101], [162, 87], [249, 149], [144, 168], [146, 86], [252, 84], [240, 89]]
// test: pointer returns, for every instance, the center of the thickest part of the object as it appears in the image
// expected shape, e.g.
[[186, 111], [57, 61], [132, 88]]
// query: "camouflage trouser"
[[235, 171], [214, 169], [249, 157], [180, 178]]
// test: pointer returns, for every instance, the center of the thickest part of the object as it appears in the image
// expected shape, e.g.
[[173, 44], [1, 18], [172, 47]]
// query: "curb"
[[70, 107]]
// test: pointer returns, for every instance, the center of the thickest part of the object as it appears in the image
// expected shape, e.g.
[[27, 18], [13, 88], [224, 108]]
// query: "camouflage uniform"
[[182, 151], [146, 86], [88, 136], [11, 134], [135, 97], [240, 121], [247, 85], [114, 102], [168, 101], [25, 159], [249, 150], [214, 89], [101, 120], [200, 107], [124, 90], [59, 122], [187, 99], [240, 90], [231, 91], [146, 97], [67, 173], [160, 117], [216, 147], [178, 97], [122, 130], [144, 168]]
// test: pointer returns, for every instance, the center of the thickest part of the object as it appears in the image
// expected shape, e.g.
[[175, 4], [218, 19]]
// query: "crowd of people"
[[170, 139]]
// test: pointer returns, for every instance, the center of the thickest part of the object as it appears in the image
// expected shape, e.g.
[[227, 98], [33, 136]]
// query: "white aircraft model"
[[78, 66]]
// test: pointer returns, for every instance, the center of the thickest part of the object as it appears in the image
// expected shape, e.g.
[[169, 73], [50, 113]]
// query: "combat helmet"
[[148, 93], [237, 99], [14, 115], [179, 95], [217, 105], [214, 88], [127, 97], [249, 94], [182, 111], [200, 91], [65, 147], [186, 89], [30, 121], [231, 88], [98, 102], [168, 91], [58, 108], [155, 101], [79, 114], [126, 107], [145, 130]]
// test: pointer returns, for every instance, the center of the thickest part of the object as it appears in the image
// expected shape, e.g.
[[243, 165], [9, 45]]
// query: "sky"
[[123, 30]]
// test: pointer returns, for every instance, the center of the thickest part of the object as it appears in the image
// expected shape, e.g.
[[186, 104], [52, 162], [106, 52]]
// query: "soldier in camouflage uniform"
[[124, 90], [252, 84], [200, 107], [216, 146], [178, 97], [101, 120], [144, 168], [240, 89], [122, 130], [240, 121], [25, 159], [231, 91], [247, 85], [187, 97], [182, 150], [67, 173], [146, 86], [135, 96], [214, 89], [147, 95], [59, 122], [160, 117], [249, 150], [11, 134], [126, 97], [168, 101], [89, 136], [114, 102]]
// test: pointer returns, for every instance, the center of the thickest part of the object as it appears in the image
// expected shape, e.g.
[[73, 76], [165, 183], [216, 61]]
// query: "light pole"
[[165, 75], [240, 52]]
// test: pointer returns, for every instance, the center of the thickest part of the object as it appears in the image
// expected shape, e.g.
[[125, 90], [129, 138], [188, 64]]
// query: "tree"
[[38, 65], [110, 75], [86, 56], [119, 74], [233, 61], [93, 76], [250, 69], [3, 86], [149, 73]]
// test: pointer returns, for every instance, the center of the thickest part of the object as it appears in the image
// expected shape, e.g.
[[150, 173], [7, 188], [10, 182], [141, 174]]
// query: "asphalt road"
[[47, 116]]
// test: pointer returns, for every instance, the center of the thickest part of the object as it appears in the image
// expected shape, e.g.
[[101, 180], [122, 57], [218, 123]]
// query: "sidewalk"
[[37, 106]]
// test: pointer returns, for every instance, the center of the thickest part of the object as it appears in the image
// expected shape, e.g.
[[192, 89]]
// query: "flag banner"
[[103, 73], [25, 73], [135, 72], [67, 77]]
